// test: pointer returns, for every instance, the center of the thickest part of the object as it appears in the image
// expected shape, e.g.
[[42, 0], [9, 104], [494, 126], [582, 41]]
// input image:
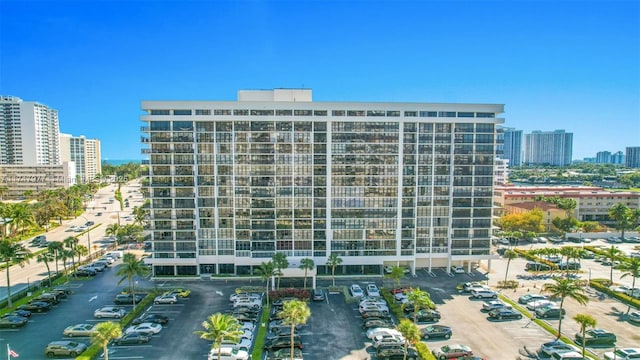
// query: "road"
[[22, 277]]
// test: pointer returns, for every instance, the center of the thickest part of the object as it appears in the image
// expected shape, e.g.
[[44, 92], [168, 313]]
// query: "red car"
[[400, 290]]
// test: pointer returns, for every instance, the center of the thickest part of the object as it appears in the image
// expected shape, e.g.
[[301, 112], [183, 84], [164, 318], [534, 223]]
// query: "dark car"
[[36, 306], [279, 331], [246, 310], [436, 331], [396, 353], [375, 314], [245, 317], [504, 314], [285, 354], [132, 339], [13, 321], [61, 293], [281, 342], [596, 337], [47, 297], [280, 302], [376, 322], [425, 316], [152, 318], [85, 273], [551, 312], [18, 312], [127, 299]]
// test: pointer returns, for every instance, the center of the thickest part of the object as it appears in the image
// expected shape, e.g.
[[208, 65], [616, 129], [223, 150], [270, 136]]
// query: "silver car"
[[109, 312]]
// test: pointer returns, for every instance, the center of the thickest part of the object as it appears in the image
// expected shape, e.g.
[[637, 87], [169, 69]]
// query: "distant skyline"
[[571, 65]]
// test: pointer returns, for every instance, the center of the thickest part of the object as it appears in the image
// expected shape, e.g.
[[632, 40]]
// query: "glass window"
[[319, 112], [355, 113], [284, 112], [465, 114], [160, 125], [338, 113], [393, 113], [240, 112], [410, 113], [375, 113], [428, 114], [261, 112], [159, 112], [302, 112], [182, 126], [203, 112], [484, 128], [485, 115], [447, 114], [221, 112], [181, 112]]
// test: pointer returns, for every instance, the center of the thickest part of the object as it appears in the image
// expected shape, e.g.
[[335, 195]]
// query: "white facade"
[[233, 182], [553, 148], [85, 153], [28, 133], [19, 179]]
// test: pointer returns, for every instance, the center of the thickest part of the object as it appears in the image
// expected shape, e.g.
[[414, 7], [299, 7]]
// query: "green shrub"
[[527, 255], [262, 333], [509, 284], [602, 285], [424, 352]]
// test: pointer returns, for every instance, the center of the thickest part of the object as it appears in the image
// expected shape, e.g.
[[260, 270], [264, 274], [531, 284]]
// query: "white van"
[[569, 355]]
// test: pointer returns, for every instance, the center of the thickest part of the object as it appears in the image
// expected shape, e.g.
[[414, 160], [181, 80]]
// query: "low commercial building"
[[20, 179]]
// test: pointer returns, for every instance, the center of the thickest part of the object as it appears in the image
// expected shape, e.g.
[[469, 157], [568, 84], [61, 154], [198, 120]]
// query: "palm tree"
[[410, 332], [419, 300], [333, 261], [621, 214], [509, 255], [566, 288], [397, 272], [294, 312], [280, 262], [64, 256], [104, 333], [55, 247], [71, 242], [585, 321], [46, 257], [630, 267], [306, 264], [267, 271], [612, 254], [113, 230], [219, 327], [12, 252], [3, 191], [130, 268], [81, 251], [21, 217]]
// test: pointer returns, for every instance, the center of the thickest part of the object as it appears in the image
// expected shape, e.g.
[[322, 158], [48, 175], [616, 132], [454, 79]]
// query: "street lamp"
[[88, 235]]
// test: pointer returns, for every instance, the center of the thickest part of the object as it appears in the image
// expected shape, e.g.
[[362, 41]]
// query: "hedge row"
[[262, 333], [602, 285], [527, 255]]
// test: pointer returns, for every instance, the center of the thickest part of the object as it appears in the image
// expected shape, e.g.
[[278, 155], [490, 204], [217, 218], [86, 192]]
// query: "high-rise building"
[[632, 157], [617, 158], [548, 148], [28, 133], [603, 157], [233, 182], [512, 146], [85, 153]]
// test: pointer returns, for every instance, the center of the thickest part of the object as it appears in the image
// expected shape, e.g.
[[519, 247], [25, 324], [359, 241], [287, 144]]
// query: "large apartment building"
[[28, 133], [553, 148], [85, 153], [233, 182]]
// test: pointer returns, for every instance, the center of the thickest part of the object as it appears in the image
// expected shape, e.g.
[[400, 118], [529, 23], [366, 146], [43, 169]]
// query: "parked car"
[[373, 301], [457, 269], [152, 318], [596, 337], [165, 299], [425, 316], [623, 354], [285, 354], [243, 295], [356, 291], [493, 304], [79, 330], [484, 294], [569, 355], [47, 297], [65, 348], [127, 299], [281, 342], [227, 353], [634, 317], [550, 312], [132, 339], [525, 299], [180, 292], [375, 314], [470, 286], [436, 331], [255, 303], [244, 344], [400, 290], [373, 307], [147, 328], [18, 312], [381, 331], [109, 312], [13, 321], [376, 323], [85, 272], [396, 353], [388, 340], [36, 306], [318, 295], [556, 346], [538, 304], [452, 351], [504, 314], [372, 290]]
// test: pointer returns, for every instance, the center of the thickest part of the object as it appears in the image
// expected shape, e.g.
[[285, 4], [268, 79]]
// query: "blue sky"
[[571, 65]]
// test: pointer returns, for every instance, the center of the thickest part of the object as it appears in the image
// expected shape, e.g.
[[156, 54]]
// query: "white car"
[[623, 354], [556, 346], [475, 286], [401, 297], [537, 304], [388, 269], [228, 353], [372, 290], [388, 340], [254, 303], [109, 312], [248, 326], [484, 294], [356, 291], [239, 296], [373, 302], [457, 270], [165, 299], [372, 333], [243, 344], [145, 328], [373, 307]]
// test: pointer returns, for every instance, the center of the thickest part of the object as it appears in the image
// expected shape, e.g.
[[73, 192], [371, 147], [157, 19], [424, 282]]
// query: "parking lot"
[[334, 329]]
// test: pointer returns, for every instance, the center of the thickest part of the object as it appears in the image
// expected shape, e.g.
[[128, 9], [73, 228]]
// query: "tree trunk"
[[293, 328], [560, 320], [9, 302], [48, 272], [406, 345], [333, 275], [506, 273], [106, 352], [633, 286], [305, 280]]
